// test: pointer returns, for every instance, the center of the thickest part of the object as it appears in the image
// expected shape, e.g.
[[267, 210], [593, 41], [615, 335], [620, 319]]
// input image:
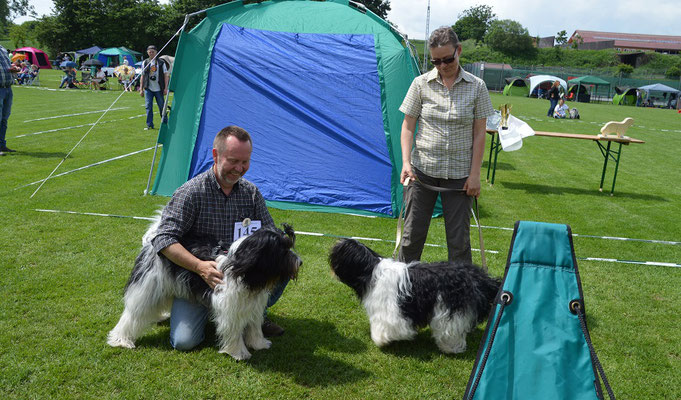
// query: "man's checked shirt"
[[200, 212]]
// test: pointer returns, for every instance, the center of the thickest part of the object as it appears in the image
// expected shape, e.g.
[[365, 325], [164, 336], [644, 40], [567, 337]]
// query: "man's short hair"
[[151, 47], [232, 130], [443, 36]]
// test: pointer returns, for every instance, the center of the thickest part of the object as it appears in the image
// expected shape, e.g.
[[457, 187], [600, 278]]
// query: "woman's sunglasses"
[[448, 60]]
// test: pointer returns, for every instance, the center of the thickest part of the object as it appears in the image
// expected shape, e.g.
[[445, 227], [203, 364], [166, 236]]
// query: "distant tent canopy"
[[660, 94], [544, 82], [114, 56], [35, 56], [578, 90], [316, 84], [578, 93], [624, 96], [516, 86]]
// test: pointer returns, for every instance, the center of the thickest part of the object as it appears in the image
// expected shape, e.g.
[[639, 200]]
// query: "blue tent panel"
[[288, 83]]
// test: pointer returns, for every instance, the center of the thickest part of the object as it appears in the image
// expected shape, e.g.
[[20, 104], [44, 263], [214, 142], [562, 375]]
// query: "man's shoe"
[[148, 128], [270, 329], [2, 153], [7, 150]]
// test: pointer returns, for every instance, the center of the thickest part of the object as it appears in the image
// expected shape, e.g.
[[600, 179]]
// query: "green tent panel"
[[302, 123], [516, 87], [624, 96]]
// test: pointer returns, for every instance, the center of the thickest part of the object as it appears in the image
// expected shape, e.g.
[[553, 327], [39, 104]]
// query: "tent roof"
[[658, 87], [137, 53], [31, 49], [90, 50], [116, 51], [589, 80], [538, 79]]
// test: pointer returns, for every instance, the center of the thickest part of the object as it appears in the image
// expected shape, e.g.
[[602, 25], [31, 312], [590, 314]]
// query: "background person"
[[153, 84], [7, 71], [208, 207], [451, 107], [98, 78], [561, 110], [554, 96]]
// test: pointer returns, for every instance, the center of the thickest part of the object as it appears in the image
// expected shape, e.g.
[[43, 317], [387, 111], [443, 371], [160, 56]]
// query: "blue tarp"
[[90, 50], [290, 82]]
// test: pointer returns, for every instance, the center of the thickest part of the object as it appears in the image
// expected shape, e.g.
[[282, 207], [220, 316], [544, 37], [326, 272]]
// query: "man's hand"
[[142, 92], [208, 271]]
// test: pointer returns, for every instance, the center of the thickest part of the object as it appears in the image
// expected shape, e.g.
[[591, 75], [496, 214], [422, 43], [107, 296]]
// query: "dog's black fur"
[[254, 262], [460, 286]]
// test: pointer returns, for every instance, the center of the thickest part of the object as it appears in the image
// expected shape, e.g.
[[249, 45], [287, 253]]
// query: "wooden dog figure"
[[618, 128]]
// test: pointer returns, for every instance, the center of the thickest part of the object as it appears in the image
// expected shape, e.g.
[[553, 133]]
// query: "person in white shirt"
[[561, 110]]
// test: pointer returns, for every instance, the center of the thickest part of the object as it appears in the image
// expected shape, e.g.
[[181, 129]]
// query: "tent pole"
[[165, 103]]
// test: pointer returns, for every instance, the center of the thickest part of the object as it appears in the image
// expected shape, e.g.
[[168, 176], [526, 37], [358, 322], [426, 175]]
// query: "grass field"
[[64, 273]]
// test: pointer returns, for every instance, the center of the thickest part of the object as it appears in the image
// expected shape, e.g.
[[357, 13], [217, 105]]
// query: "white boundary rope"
[[610, 260], [73, 115], [87, 166], [297, 232], [75, 126]]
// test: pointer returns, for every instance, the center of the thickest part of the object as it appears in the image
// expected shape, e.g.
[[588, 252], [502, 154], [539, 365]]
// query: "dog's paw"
[[120, 342], [451, 346], [239, 355], [263, 344]]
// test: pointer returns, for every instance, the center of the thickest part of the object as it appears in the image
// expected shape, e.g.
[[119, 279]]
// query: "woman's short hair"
[[443, 36]]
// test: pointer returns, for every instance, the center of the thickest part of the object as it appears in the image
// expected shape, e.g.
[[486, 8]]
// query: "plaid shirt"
[[444, 142], [199, 211], [6, 77]]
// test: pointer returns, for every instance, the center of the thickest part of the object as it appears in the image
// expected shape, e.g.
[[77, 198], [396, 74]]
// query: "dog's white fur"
[[237, 311], [391, 281], [237, 305]]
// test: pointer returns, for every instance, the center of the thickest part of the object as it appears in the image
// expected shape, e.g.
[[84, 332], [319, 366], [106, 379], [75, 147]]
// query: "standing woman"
[[451, 107], [554, 96]]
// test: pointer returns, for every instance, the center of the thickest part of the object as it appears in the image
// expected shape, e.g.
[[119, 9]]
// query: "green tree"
[[625, 69], [510, 38], [473, 23], [107, 23], [673, 72], [10, 9], [378, 7], [561, 37]]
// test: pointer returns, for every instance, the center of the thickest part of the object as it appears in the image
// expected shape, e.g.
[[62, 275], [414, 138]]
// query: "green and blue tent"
[[317, 84]]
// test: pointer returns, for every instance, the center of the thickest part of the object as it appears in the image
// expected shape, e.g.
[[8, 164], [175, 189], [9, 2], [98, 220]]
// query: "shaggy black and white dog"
[[251, 267], [400, 298]]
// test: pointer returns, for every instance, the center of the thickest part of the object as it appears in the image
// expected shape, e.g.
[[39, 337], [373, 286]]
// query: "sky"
[[655, 17]]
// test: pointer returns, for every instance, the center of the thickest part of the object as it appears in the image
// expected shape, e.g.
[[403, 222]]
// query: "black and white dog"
[[400, 298], [251, 267]]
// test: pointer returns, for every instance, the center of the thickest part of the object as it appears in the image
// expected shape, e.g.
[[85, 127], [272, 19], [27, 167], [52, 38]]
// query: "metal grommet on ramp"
[[506, 297], [575, 306]]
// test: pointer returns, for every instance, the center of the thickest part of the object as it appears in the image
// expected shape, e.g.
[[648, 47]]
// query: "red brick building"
[[626, 41]]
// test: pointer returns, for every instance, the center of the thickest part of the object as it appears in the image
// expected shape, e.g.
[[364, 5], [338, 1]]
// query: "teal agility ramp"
[[537, 345]]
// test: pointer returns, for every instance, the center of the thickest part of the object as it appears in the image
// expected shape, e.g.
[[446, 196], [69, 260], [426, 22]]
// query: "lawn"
[[64, 273]]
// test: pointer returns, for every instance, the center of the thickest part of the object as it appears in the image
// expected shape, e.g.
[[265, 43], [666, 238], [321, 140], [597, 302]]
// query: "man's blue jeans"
[[5, 109], [188, 320], [149, 97]]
